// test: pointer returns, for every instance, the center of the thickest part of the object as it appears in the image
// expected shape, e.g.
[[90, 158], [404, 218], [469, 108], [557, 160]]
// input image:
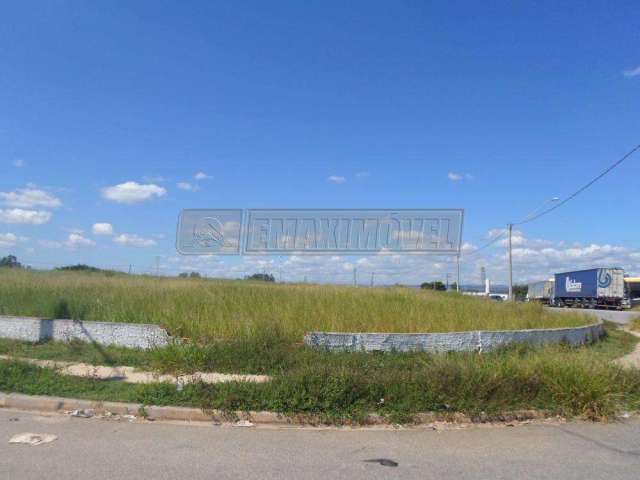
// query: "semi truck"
[[596, 287], [541, 292]]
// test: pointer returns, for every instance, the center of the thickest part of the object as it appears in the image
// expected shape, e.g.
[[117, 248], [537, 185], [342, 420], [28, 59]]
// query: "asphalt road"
[[622, 317], [97, 449]]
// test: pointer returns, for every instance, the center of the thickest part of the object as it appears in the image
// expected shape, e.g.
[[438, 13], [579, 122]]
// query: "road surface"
[[98, 449], [616, 316]]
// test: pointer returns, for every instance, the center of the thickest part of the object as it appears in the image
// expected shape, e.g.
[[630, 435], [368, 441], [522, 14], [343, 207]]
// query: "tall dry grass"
[[207, 310]]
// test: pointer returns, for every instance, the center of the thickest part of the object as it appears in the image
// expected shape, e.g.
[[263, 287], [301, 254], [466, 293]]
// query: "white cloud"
[[187, 186], [337, 179], [8, 240], [634, 72], [202, 176], [133, 240], [456, 177], [19, 215], [536, 258], [19, 163], [29, 198], [102, 229], [75, 240], [362, 174], [132, 192]]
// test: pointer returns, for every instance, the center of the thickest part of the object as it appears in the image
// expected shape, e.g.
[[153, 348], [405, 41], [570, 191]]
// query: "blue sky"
[[491, 108]]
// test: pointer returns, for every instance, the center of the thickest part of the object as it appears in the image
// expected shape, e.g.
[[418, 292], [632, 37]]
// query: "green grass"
[[267, 353], [248, 327], [209, 310], [341, 388]]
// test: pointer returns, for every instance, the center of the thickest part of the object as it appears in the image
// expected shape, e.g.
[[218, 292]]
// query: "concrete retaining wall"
[[450, 342], [132, 335]]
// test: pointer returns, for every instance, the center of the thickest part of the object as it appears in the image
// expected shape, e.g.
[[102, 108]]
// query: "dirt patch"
[[132, 375], [630, 359]]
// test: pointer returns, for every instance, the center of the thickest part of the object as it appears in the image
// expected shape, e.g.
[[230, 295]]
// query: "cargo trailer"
[[541, 292], [596, 287]]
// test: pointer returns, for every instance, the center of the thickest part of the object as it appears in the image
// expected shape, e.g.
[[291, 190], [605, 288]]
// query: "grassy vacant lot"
[[345, 387], [209, 310], [248, 327]]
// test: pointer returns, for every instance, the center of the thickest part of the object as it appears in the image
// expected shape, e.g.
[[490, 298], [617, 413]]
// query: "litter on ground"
[[33, 439]]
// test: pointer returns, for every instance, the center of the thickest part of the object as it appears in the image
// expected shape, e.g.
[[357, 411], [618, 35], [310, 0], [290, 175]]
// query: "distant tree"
[[10, 261], [189, 275], [453, 287], [520, 292], [264, 277], [437, 285], [80, 267]]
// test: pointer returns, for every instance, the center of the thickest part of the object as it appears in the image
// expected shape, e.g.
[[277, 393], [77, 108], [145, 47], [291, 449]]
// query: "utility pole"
[[355, 276], [510, 227], [447, 283], [458, 274], [373, 274]]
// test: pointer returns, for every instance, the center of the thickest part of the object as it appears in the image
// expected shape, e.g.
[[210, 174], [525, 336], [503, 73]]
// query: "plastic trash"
[[243, 423], [86, 413], [33, 439]]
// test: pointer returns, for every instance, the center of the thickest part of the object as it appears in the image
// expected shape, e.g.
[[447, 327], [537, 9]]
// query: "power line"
[[531, 218], [581, 189]]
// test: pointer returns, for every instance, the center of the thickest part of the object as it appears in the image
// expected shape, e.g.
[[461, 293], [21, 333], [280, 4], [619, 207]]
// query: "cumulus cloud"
[[19, 215], [133, 240], [202, 176], [132, 192], [337, 179], [8, 240], [29, 198], [536, 258], [102, 229], [19, 163], [75, 240], [634, 72]]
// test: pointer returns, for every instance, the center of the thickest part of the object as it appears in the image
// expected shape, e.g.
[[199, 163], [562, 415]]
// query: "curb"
[[469, 341], [42, 403]]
